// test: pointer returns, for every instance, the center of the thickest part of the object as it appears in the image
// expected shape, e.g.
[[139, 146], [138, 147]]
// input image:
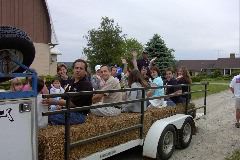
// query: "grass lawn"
[[216, 80], [234, 156], [212, 88]]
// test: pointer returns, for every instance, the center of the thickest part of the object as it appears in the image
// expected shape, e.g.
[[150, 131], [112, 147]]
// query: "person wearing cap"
[[143, 65], [96, 79]]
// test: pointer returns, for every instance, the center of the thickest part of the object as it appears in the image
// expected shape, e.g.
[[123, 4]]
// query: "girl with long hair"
[[135, 80], [183, 77], [157, 82], [16, 84]]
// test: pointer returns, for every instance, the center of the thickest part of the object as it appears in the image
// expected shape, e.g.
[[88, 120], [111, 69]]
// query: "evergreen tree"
[[105, 44], [156, 47]]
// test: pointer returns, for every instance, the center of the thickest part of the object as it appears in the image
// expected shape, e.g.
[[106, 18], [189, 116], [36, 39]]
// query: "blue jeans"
[[59, 119]]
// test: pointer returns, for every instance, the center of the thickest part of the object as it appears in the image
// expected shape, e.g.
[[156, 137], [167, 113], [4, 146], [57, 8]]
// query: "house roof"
[[196, 65], [220, 63]]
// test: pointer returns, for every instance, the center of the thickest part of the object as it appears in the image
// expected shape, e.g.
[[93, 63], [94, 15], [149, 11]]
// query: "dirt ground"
[[217, 136]]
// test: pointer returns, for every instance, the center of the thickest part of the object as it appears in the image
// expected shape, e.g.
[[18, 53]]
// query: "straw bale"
[[50, 143], [164, 112], [159, 113], [51, 139]]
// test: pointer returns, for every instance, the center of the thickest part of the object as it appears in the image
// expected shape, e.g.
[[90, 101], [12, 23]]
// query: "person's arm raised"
[[152, 62], [124, 62], [134, 60]]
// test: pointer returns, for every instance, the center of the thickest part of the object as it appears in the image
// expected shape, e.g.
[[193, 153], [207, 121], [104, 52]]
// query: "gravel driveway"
[[217, 136]]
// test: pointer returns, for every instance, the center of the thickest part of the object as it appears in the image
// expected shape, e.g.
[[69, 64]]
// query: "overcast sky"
[[195, 29]]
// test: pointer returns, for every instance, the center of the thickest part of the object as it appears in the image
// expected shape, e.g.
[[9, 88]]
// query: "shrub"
[[202, 75], [216, 73], [5, 85], [196, 79], [234, 73], [227, 77]]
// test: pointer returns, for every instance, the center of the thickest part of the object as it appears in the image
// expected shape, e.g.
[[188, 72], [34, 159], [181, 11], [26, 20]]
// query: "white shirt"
[[235, 84], [54, 90]]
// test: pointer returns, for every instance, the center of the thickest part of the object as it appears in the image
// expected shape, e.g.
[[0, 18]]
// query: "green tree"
[[104, 44], [156, 47], [129, 45]]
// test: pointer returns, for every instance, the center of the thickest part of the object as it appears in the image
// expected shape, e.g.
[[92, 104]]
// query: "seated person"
[[96, 79], [143, 65], [79, 83], [16, 85], [56, 89], [110, 83], [27, 85], [62, 74], [183, 77], [157, 82], [135, 80], [170, 80], [114, 71]]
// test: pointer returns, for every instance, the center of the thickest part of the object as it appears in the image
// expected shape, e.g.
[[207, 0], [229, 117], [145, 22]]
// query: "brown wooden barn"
[[33, 17]]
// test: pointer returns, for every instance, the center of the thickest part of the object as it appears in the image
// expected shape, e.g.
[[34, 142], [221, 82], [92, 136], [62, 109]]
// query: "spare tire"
[[15, 45]]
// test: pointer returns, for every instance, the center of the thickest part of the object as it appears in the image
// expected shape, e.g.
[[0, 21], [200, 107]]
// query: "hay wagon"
[[157, 130]]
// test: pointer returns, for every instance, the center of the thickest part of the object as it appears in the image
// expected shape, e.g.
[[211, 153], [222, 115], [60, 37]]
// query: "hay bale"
[[50, 143], [160, 113], [51, 139]]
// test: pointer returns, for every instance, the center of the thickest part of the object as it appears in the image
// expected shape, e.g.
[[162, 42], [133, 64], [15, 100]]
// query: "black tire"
[[186, 132], [16, 44], [166, 144]]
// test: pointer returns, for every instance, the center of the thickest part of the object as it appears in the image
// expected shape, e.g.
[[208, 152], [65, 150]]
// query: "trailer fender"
[[152, 138]]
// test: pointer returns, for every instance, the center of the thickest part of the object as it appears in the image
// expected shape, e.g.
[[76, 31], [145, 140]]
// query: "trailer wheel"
[[15, 45], [166, 144], [186, 133]]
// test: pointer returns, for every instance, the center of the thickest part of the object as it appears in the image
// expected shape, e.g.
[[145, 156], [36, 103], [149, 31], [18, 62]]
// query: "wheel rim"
[[168, 142], [7, 65], [187, 131]]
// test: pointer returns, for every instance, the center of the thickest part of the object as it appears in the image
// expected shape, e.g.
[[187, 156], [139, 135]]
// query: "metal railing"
[[68, 95], [22, 94]]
